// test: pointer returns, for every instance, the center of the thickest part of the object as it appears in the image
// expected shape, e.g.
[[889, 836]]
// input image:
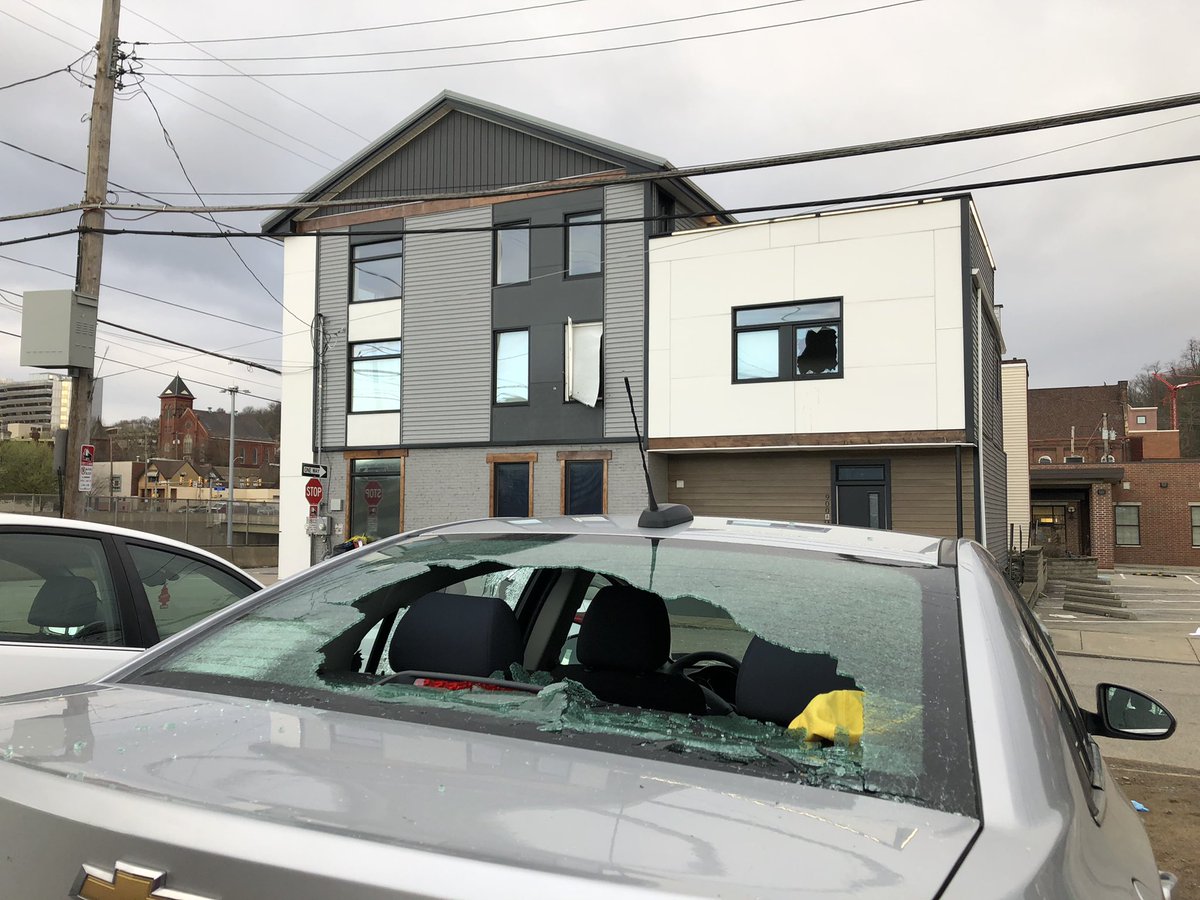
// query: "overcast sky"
[[1097, 275]]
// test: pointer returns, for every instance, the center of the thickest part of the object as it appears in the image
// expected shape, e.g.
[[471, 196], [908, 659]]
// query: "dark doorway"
[[861, 495]]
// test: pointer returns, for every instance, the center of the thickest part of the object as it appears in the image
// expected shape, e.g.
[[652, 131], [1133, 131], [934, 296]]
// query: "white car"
[[79, 599]]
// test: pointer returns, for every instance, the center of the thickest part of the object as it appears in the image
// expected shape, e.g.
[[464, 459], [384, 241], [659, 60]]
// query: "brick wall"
[[1164, 513], [1102, 525], [1052, 412], [1154, 445]]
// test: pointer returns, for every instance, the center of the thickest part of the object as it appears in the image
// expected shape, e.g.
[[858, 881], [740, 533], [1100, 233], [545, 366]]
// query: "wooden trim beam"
[[818, 439]]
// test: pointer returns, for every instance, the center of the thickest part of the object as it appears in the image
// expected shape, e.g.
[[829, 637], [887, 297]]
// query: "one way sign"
[[312, 470]]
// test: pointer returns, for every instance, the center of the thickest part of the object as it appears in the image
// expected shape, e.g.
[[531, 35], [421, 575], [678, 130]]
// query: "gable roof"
[[584, 154], [217, 426]]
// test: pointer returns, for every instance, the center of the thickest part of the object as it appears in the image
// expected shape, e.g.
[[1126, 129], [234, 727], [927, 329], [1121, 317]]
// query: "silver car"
[[584, 707], [78, 599]]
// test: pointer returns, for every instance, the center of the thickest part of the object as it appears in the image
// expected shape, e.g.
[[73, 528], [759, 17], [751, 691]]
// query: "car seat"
[[69, 603], [624, 640], [456, 634], [775, 684]]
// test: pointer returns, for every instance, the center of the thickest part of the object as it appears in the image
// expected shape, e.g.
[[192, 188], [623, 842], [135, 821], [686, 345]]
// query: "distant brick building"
[[202, 437], [1105, 482]]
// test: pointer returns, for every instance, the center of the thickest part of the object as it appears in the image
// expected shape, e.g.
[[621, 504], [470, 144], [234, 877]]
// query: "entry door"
[[861, 490]]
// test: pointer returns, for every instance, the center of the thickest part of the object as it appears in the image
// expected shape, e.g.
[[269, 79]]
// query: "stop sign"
[[373, 492], [313, 491]]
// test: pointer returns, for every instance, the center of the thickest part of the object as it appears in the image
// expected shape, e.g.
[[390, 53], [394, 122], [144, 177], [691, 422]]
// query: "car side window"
[[182, 590], [57, 589]]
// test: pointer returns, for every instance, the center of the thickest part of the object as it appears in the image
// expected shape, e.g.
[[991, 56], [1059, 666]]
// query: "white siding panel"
[[373, 430], [895, 220], [624, 308], [447, 330], [376, 320]]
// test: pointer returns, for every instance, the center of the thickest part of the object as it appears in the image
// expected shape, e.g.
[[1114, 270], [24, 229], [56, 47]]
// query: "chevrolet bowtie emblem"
[[125, 882]]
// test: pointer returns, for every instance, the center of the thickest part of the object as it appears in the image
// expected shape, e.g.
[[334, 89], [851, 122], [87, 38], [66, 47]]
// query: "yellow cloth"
[[826, 714]]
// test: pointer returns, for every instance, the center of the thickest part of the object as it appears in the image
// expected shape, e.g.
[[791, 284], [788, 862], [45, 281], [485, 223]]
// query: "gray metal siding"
[[333, 298], [464, 152], [447, 331], [995, 501], [624, 308]]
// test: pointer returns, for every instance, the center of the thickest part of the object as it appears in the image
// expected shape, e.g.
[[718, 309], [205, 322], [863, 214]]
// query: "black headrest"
[[775, 684], [65, 601], [625, 629], [456, 634]]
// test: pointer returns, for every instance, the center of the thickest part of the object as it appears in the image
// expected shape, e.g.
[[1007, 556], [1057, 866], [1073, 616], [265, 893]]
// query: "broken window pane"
[[817, 350]]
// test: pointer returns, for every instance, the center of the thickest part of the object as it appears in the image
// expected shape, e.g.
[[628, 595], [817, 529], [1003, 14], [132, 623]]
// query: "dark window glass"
[[511, 497], [1128, 520], [584, 252], [378, 270], [584, 487], [375, 376], [375, 495], [181, 591], [1195, 526], [512, 367], [56, 588], [512, 255], [860, 473], [788, 341]]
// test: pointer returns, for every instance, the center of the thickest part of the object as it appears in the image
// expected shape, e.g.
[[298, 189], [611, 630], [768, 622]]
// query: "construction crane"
[[1174, 389]]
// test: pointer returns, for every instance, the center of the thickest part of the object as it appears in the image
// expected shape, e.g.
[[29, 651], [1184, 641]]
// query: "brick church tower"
[[173, 403]]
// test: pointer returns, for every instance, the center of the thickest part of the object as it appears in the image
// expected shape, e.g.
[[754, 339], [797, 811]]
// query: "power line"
[[157, 337], [194, 106], [188, 178], [67, 68], [142, 296], [475, 46], [254, 78], [944, 190], [1043, 123], [308, 34], [563, 54]]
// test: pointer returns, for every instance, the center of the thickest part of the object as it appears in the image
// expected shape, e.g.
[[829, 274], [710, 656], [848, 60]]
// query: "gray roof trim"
[[446, 101]]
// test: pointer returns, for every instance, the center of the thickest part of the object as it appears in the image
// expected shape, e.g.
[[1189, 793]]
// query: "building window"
[[512, 253], [1195, 511], [511, 371], [581, 369], [375, 376], [376, 496], [584, 249], [377, 270], [789, 341], [584, 482], [1129, 531], [1141, 420], [1108, 458], [1045, 461], [254, 457], [512, 484]]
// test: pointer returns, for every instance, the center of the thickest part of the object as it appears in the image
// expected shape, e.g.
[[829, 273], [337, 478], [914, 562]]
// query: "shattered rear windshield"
[[819, 668]]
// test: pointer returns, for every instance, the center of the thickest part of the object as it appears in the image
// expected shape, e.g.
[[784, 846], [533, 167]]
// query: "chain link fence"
[[201, 523]]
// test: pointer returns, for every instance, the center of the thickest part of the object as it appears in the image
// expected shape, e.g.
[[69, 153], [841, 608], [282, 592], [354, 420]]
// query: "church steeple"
[[173, 402]]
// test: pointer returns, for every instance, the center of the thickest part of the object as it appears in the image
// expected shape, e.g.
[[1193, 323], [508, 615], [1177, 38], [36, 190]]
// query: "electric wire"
[[67, 68], [942, 191], [254, 78], [143, 296], [563, 54], [188, 178], [367, 28], [474, 46]]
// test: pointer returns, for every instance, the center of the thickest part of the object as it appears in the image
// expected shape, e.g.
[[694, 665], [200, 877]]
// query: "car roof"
[[48, 523], [860, 542]]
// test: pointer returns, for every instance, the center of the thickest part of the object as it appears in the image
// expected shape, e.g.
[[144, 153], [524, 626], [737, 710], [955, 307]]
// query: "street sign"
[[313, 491], [373, 493], [314, 470], [87, 456]]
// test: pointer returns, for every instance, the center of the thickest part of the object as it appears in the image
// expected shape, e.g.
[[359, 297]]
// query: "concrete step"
[[1091, 590], [1114, 602], [1094, 610]]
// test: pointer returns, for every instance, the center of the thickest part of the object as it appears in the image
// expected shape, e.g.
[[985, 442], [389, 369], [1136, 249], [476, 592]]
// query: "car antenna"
[[654, 515]]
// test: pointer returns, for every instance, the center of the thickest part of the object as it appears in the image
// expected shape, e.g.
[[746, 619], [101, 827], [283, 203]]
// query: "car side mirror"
[[1128, 714]]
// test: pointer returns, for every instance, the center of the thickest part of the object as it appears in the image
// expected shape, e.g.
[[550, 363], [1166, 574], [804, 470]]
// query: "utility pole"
[[232, 392], [91, 243]]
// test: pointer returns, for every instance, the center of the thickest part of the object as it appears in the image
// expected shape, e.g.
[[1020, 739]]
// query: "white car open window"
[[56, 589]]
